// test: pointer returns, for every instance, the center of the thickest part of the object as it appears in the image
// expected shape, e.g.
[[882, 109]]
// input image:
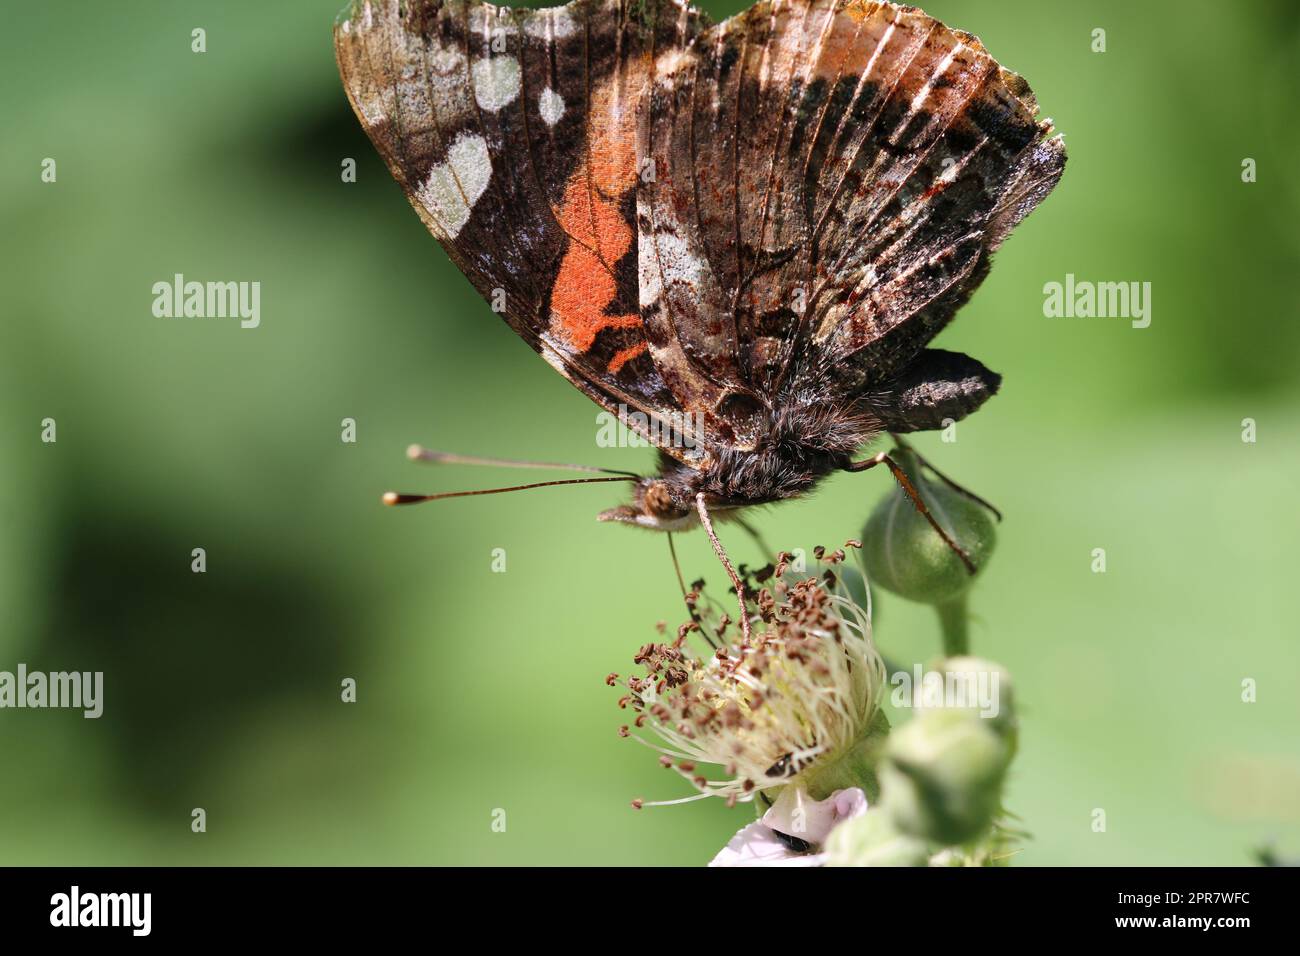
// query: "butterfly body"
[[754, 228], [797, 450]]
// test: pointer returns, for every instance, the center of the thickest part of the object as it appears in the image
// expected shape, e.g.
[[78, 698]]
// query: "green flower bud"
[[972, 685], [943, 773], [873, 840], [905, 555]]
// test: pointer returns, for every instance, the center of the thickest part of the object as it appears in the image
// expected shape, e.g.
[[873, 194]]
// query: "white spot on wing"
[[670, 63], [447, 60], [665, 260], [453, 187], [556, 24], [678, 262], [551, 105], [496, 82], [647, 268]]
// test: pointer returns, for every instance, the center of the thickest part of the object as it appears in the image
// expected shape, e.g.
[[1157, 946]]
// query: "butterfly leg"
[[726, 563], [901, 477], [960, 489]]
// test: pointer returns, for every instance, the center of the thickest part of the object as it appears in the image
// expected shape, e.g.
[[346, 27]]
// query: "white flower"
[[793, 830], [771, 712]]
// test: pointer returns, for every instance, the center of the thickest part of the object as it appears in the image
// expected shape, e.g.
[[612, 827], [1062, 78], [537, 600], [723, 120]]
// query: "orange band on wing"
[[624, 356], [585, 285]]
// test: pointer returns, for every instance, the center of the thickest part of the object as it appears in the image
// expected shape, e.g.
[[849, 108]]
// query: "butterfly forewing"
[[513, 134]]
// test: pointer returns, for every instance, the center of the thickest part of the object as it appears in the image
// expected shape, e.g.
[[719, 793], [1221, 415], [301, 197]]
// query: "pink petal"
[[798, 815], [757, 845]]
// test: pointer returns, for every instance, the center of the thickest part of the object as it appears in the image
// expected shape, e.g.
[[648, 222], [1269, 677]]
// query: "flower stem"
[[955, 623]]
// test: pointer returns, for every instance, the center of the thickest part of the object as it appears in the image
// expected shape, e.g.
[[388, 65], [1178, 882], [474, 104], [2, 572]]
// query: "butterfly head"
[[661, 503], [795, 449]]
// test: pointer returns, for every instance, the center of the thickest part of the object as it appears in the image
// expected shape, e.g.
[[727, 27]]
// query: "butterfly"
[[739, 236]]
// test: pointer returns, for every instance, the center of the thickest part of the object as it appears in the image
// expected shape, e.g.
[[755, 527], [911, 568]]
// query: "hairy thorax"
[[799, 447]]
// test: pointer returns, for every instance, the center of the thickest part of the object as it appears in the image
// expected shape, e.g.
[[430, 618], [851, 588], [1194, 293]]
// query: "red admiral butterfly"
[[745, 233]]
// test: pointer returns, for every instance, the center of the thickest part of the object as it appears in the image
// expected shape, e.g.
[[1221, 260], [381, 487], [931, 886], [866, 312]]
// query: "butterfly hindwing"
[[832, 177]]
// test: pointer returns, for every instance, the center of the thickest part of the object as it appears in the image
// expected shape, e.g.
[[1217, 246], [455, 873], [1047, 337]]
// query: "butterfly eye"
[[659, 501]]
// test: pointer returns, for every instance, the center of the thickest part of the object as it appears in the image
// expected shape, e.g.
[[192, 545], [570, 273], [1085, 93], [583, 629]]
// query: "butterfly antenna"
[[420, 453], [396, 498], [961, 490], [910, 490], [726, 563]]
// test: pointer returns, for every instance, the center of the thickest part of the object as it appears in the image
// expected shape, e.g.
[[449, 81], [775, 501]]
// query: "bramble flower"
[[797, 706], [789, 718]]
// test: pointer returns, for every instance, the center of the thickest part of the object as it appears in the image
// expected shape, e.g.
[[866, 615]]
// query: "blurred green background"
[[480, 690]]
